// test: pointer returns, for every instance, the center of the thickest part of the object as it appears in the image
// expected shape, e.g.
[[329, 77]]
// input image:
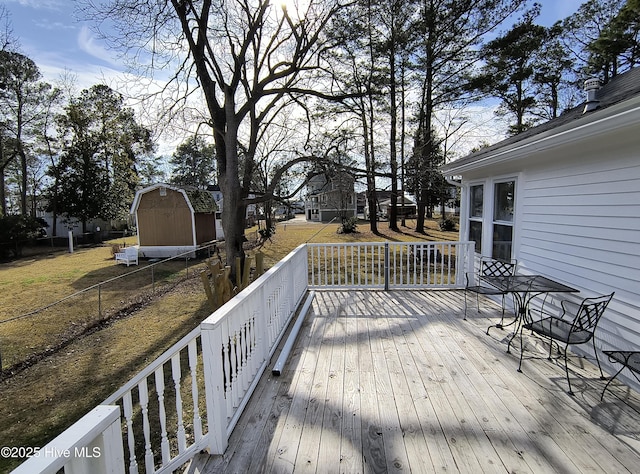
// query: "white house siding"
[[580, 222]]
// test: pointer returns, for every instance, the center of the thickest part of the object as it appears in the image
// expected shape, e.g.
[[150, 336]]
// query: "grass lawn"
[[41, 401]]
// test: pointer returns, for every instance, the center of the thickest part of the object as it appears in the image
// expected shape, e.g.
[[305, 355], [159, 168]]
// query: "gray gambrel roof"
[[619, 89]]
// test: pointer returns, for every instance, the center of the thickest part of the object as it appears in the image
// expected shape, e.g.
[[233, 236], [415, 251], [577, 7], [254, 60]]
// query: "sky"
[[50, 34]]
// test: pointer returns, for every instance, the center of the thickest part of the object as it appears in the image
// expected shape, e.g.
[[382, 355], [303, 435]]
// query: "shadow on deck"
[[397, 381]]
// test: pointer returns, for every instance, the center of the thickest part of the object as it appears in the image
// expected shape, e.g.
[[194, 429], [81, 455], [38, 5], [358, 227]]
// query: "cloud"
[[88, 43], [46, 4], [46, 24]]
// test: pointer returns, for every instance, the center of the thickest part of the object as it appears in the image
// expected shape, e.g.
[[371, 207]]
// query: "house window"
[[475, 216], [503, 208]]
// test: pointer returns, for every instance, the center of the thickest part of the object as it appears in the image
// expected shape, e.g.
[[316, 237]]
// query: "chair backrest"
[[590, 312], [497, 268]]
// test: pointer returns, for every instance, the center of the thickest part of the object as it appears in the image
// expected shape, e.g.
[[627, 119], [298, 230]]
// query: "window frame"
[[476, 219], [499, 224]]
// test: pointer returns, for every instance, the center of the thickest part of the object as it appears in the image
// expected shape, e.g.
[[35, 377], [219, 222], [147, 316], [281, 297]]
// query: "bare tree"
[[248, 58]]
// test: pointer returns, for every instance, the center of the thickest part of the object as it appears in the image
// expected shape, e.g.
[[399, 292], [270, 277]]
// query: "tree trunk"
[[23, 179], [3, 198], [234, 207], [421, 211], [393, 207]]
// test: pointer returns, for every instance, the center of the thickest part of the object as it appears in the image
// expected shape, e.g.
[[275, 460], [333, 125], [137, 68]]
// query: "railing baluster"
[[449, 260], [164, 443], [429, 271], [177, 375], [193, 367], [226, 359], [335, 253], [144, 406], [244, 352], [127, 408]]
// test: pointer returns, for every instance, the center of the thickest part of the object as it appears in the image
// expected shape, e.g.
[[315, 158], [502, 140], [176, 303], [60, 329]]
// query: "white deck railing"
[[192, 396], [389, 265]]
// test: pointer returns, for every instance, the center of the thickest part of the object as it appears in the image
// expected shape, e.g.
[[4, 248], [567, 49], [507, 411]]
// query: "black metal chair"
[[573, 327], [476, 283]]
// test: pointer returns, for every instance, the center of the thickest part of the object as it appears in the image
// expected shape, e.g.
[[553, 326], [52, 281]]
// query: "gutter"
[[453, 182]]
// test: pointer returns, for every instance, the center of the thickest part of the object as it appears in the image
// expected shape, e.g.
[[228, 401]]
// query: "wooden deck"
[[397, 381]]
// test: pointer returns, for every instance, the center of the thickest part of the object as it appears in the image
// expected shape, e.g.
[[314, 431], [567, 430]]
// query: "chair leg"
[[502, 317], [566, 369], [521, 349], [465, 305], [595, 351]]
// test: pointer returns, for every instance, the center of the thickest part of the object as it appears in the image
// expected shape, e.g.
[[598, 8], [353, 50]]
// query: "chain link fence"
[[27, 338]]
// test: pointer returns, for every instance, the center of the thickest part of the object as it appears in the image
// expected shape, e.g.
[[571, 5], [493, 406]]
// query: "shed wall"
[[164, 220], [205, 227]]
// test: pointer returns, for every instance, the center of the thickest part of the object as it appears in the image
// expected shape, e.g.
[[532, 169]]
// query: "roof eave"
[[625, 114]]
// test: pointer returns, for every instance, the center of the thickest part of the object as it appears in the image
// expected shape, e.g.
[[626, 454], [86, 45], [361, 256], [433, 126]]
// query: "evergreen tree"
[[424, 179], [194, 163], [509, 71], [553, 76], [102, 141], [583, 29], [22, 107], [617, 48]]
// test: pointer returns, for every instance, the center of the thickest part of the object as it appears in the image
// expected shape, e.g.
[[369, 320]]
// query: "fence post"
[[386, 266]]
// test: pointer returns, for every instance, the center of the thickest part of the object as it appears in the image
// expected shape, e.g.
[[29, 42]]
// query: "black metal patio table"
[[524, 288], [626, 359]]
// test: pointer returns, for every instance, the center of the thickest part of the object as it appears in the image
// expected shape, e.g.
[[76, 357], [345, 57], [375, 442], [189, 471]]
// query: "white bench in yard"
[[129, 255]]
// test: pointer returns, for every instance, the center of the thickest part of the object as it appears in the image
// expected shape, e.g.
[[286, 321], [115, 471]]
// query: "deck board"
[[398, 381]]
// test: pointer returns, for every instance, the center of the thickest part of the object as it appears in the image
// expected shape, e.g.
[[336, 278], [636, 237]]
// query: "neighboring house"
[[64, 225], [564, 199], [406, 206], [330, 198], [173, 220], [215, 191]]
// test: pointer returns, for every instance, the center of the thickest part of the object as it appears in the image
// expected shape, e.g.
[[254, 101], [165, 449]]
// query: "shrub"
[[447, 225], [16, 231], [267, 232], [348, 226]]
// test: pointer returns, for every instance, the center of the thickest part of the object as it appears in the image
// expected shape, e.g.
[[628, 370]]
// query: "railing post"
[[92, 444], [214, 387], [386, 266], [466, 266]]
